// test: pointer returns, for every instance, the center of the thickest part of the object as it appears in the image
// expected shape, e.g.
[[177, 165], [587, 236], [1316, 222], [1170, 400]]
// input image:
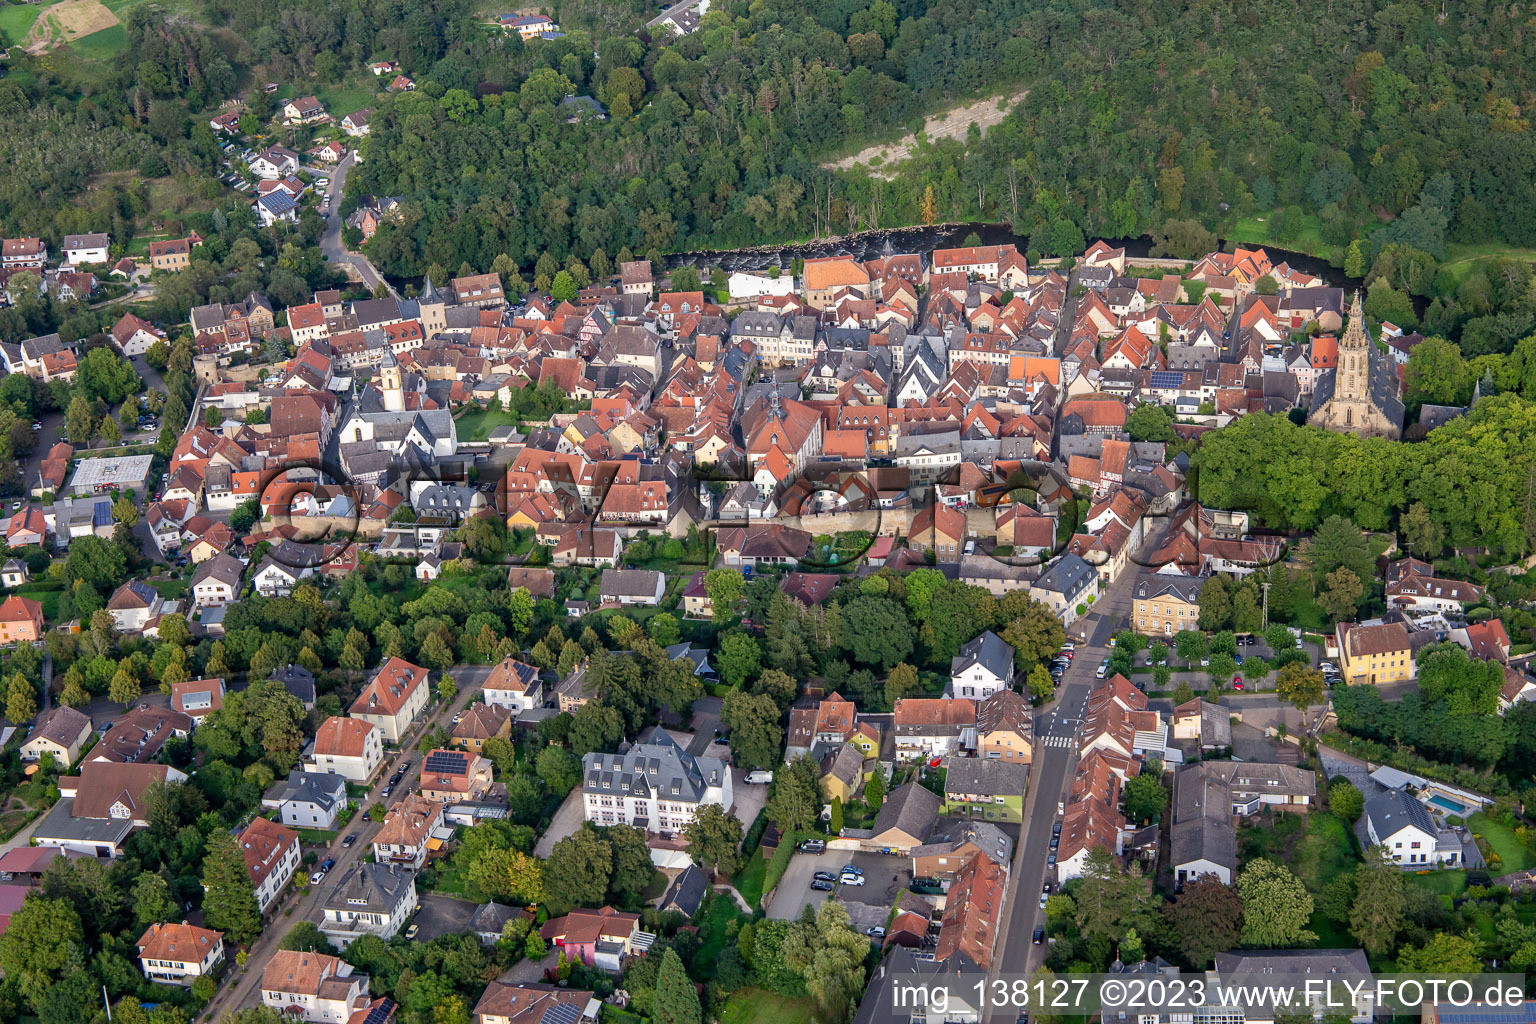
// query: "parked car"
[[346, 844], [1050, 861], [1039, 936], [1056, 830], [1046, 888], [813, 846], [317, 878], [1327, 667], [1102, 670], [821, 886], [877, 932], [852, 869], [327, 864], [1237, 682], [825, 876], [1055, 842], [410, 932], [387, 790], [759, 777], [1043, 898], [854, 880]]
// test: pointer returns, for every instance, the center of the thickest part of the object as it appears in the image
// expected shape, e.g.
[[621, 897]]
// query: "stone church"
[[1359, 396]]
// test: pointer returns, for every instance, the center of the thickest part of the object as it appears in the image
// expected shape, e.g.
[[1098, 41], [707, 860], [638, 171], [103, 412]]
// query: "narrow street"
[[244, 989], [1055, 754], [331, 246]]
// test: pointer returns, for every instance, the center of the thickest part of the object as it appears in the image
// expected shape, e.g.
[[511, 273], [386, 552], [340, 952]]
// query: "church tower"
[[390, 384], [1360, 395]]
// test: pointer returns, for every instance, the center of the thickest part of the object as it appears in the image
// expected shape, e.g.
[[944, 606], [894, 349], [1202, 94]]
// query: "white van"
[[759, 778]]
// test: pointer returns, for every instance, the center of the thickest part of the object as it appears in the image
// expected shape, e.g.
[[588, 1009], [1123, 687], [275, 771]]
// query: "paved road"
[[245, 989], [1056, 727], [331, 245]]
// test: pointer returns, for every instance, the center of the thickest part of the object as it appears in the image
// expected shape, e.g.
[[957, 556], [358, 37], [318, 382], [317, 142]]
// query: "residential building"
[[216, 582], [370, 899], [1162, 605], [632, 587], [348, 747], [138, 736], [1202, 839], [933, 728], [308, 799], [1005, 728], [989, 789], [598, 938], [973, 912], [455, 776], [303, 110], [83, 250], [1067, 588], [60, 731], [407, 830], [394, 699], [905, 820], [513, 685], [28, 253], [656, 785], [197, 698], [173, 254], [271, 856], [842, 773], [1412, 587], [100, 808], [983, 667], [479, 723], [528, 1003], [313, 987], [1401, 827], [179, 954], [21, 620], [946, 853], [1374, 654]]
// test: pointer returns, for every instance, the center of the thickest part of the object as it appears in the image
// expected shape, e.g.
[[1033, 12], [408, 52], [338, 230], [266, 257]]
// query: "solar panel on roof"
[[1166, 379], [561, 1013], [380, 1013], [445, 761]]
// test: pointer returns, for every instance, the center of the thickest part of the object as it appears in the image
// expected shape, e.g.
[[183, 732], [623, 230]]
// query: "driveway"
[[565, 822], [750, 799], [442, 915]]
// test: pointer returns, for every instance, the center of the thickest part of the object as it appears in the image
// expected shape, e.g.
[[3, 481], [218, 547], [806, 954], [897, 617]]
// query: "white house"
[[132, 605], [514, 686], [656, 785], [348, 747], [275, 207], [394, 698], [274, 162], [82, 249], [1399, 825], [370, 899], [134, 335], [313, 986], [179, 954], [632, 586], [309, 799], [271, 856], [983, 666], [216, 581]]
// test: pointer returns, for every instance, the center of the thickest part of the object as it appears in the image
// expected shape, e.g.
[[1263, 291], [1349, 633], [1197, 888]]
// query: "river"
[[871, 244]]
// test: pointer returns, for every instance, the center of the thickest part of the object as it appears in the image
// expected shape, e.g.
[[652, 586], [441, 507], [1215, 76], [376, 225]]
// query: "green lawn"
[[45, 593], [1446, 883], [1514, 855], [749, 880], [755, 1006], [169, 589], [1315, 847], [477, 424], [349, 97], [16, 21], [1462, 260], [1255, 230], [103, 45]]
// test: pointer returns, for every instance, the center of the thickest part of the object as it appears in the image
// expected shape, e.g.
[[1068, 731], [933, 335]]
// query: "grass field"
[[755, 1006], [749, 880], [477, 424], [1255, 230], [103, 45], [1462, 260], [1514, 855], [16, 21], [1315, 847], [45, 593]]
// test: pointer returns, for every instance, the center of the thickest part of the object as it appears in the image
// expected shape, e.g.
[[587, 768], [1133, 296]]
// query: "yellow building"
[[1163, 605], [1374, 654]]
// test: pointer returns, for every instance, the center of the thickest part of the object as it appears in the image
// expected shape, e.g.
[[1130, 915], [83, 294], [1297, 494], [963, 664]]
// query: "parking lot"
[[441, 915], [884, 877]]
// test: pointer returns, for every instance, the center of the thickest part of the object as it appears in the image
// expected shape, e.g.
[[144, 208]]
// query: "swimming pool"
[[1447, 804]]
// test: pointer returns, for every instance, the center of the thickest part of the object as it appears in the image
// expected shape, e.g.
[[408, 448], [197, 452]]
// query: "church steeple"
[[1354, 333]]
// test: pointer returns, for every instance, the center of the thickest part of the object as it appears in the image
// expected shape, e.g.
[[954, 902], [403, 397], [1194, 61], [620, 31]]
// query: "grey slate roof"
[[1067, 576], [656, 763], [983, 776], [1151, 585], [990, 651], [686, 892], [1394, 810], [370, 888], [990, 839], [913, 808], [324, 790]]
